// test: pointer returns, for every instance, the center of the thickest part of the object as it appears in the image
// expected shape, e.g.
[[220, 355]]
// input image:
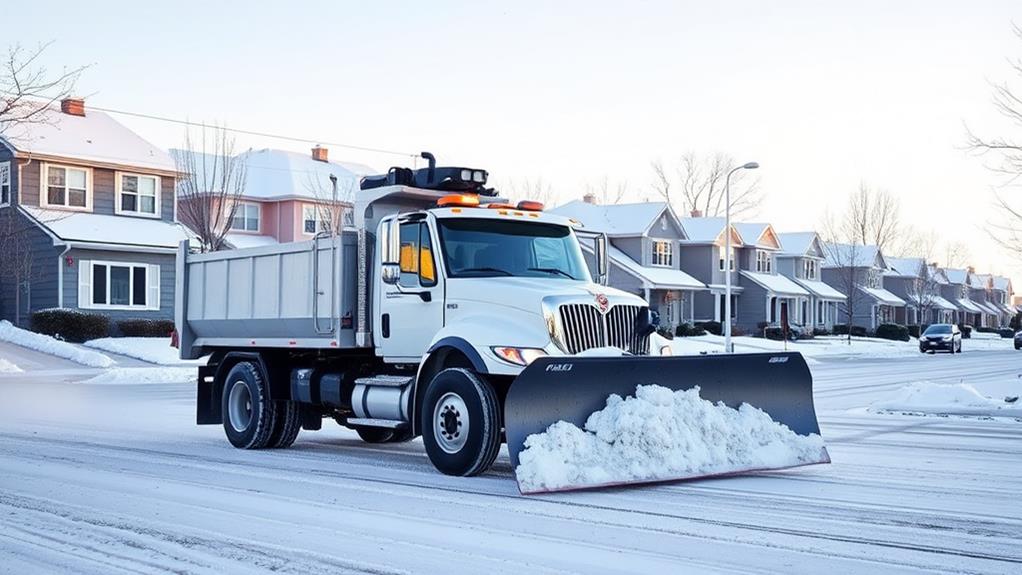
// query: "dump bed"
[[269, 296]]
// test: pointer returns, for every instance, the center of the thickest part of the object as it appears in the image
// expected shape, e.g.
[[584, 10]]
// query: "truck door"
[[412, 311]]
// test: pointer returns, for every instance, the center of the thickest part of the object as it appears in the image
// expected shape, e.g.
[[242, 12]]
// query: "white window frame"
[[721, 252], [763, 262], [809, 268], [873, 279], [86, 272], [44, 188], [259, 217], [118, 186], [5, 182], [321, 224], [658, 257]]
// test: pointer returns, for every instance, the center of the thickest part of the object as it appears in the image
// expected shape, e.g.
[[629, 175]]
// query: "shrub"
[[688, 330], [145, 327], [711, 327], [70, 325], [966, 331], [665, 332], [774, 332], [1016, 322], [892, 331], [1006, 333], [857, 330], [737, 331], [817, 331], [913, 330], [762, 325], [984, 329]]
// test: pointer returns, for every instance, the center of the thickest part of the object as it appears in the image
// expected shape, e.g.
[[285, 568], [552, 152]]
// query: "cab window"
[[417, 268]]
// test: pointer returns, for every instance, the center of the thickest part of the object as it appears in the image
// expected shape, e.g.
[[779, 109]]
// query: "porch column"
[[716, 307]]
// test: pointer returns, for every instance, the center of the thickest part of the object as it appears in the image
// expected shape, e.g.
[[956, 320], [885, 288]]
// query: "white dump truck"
[[446, 312]]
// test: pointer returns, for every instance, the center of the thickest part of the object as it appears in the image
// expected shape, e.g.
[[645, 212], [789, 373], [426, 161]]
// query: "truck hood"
[[526, 294]]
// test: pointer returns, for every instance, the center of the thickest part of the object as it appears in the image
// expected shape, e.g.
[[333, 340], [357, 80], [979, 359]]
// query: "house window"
[[246, 218], [663, 253], [67, 187], [5, 183], [809, 269], [723, 253], [118, 285], [348, 216], [763, 262], [315, 220], [138, 194], [873, 279]]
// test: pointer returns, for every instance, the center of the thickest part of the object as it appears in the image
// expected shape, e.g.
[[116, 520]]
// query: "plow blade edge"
[[569, 389]]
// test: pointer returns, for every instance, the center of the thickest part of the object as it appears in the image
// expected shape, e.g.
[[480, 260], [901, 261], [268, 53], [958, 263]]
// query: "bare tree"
[[28, 89], [607, 193], [697, 184], [956, 255], [843, 251], [536, 189], [873, 217], [17, 261], [211, 182], [333, 206]]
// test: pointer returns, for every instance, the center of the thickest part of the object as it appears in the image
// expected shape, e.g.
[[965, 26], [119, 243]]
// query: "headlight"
[[518, 355], [466, 175], [947, 337], [479, 177]]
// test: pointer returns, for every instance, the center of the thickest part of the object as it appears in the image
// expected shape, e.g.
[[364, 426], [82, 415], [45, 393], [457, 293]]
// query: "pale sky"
[[823, 94]]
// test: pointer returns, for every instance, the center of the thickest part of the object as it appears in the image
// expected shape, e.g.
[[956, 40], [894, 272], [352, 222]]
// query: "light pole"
[[727, 254]]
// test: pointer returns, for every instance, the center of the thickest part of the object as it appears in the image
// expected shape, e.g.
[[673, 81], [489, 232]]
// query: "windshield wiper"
[[553, 271], [486, 269]]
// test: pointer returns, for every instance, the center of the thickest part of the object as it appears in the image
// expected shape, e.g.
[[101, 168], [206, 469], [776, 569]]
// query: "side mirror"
[[602, 264], [390, 273], [390, 252]]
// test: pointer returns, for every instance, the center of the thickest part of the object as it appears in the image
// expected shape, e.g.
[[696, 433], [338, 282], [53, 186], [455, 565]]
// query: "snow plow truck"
[[442, 311]]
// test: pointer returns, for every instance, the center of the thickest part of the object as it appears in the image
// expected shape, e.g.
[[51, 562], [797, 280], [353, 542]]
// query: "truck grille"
[[586, 328]]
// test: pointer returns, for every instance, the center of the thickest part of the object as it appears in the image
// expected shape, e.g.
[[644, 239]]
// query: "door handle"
[[425, 296]]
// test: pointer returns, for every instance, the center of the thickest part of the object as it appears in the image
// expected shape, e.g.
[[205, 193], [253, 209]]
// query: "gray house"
[[857, 272], [980, 292], [1000, 294], [957, 292], [912, 280], [702, 257], [801, 259], [94, 207], [768, 296], [644, 253]]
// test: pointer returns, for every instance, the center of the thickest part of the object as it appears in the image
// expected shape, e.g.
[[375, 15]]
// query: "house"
[[857, 272], [768, 297], [95, 206], [702, 255], [800, 259], [918, 283], [286, 196], [980, 287], [643, 251], [1001, 294], [958, 292]]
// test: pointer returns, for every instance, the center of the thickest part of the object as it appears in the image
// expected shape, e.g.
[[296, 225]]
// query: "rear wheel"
[[249, 416], [288, 425], [461, 423]]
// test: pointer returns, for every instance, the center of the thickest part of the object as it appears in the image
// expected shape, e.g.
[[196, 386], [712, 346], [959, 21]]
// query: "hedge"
[[711, 327], [70, 325], [892, 331], [1006, 333], [913, 330], [820, 331], [687, 330], [857, 330], [665, 332], [145, 327], [966, 331]]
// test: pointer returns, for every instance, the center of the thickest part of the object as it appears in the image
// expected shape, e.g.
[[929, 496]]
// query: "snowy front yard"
[[151, 349]]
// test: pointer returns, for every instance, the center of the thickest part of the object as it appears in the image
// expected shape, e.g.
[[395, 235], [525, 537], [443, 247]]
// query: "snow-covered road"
[[117, 479]]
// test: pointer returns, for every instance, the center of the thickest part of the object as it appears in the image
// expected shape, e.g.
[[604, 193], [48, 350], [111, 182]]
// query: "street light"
[[727, 253]]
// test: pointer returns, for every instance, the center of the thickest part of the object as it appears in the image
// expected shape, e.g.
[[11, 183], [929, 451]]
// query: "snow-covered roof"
[[1002, 283], [654, 277], [615, 220], [240, 241], [934, 301], [775, 283], [968, 305], [988, 307], [938, 275], [849, 255], [87, 227], [95, 137], [797, 243], [956, 276], [752, 233], [280, 174], [979, 281], [820, 289], [705, 230], [883, 296], [904, 267]]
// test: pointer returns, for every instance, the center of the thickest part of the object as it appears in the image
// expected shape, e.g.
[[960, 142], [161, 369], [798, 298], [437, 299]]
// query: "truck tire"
[[461, 423], [381, 435], [288, 425], [249, 416]]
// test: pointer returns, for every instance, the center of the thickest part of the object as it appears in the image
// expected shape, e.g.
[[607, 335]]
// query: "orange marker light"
[[499, 206], [470, 200], [530, 206]]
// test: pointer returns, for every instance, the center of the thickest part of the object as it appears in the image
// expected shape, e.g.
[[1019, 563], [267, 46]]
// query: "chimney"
[[319, 154], [589, 198], [73, 106], [972, 270], [696, 213]]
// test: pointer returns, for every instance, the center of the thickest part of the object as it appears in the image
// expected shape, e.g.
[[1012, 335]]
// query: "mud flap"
[[552, 389]]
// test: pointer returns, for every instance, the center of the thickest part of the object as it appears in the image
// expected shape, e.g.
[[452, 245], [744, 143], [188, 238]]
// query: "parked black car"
[[943, 336], [1018, 340]]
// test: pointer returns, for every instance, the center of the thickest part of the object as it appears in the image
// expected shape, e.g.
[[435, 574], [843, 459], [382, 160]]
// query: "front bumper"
[[927, 345]]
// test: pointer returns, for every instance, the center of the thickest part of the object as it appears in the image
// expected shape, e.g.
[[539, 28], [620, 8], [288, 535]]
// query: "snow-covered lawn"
[[926, 398], [8, 367], [143, 375], [827, 346], [660, 434], [152, 349], [47, 344]]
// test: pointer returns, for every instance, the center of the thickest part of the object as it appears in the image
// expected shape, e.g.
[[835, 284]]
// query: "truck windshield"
[[491, 248]]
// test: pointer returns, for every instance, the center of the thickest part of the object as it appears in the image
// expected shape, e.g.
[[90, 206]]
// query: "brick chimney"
[[972, 270], [589, 198], [696, 213], [319, 154], [73, 106]]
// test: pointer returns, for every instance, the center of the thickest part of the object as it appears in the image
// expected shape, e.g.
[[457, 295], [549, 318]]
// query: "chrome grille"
[[584, 327]]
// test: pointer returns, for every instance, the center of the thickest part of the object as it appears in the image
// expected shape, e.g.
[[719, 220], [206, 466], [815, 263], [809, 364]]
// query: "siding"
[[42, 291], [751, 306], [167, 277], [862, 304], [700, 262], [632, 247], [28, 186]]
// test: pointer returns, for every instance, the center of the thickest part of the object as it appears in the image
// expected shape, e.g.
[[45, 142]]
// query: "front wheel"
[[461, 423], [249, 416]]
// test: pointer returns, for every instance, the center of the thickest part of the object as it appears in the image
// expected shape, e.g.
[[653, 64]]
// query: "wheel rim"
[[239, 406], [451, 423]]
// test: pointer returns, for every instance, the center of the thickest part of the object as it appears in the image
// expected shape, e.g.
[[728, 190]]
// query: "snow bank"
[[8, 367], [144, 375], [946, 399], [660, 434], [47, 344], [152, 349]]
